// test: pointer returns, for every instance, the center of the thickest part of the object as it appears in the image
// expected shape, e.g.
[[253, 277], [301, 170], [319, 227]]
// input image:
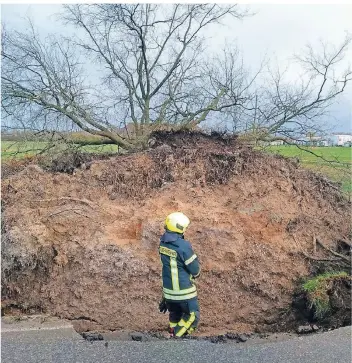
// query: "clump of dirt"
[[324, 300], [66, 161], [69, 161], [340, 302], [83, 245], [14, 166]]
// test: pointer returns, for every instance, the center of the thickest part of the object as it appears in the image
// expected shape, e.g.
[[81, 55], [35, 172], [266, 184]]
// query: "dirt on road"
[[84, 246]]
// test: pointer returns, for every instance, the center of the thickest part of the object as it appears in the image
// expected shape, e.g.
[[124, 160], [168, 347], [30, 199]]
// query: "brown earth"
[[84, 246]]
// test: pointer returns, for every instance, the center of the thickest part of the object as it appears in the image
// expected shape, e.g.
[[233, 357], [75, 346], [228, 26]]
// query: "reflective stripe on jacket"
[[180, 265]]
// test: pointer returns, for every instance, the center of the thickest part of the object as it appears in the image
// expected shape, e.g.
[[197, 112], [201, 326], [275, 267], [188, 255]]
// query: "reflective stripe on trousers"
[[183, 316], [183, 325]]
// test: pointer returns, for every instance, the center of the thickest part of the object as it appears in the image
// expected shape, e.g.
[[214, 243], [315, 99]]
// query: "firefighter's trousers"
[[184, 316]]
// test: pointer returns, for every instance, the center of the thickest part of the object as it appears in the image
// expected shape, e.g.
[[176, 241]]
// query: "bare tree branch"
[[152, 68]]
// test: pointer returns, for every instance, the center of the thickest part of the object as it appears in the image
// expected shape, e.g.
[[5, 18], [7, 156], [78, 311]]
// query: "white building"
[[342, 139]]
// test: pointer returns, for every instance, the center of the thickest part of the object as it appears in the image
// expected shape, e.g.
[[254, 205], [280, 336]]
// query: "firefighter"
[[180, 266]]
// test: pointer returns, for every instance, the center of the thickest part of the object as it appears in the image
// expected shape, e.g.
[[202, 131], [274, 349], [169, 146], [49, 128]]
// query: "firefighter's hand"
[[162, 306]]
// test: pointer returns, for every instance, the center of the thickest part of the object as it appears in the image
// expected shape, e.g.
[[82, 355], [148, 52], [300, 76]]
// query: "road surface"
[[63, 345]]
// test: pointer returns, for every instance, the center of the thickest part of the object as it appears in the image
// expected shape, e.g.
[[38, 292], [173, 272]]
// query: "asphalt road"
[[65, 346]]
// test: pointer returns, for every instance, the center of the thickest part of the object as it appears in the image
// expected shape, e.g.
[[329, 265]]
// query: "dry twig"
[[348, 260], [83, 201], [74, 210]]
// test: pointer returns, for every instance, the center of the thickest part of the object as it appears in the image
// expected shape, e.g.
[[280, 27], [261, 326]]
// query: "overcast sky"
[[277, 31]]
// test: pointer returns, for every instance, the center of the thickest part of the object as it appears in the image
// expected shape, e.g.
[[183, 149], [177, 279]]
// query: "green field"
[[334, 162], [331, 153]]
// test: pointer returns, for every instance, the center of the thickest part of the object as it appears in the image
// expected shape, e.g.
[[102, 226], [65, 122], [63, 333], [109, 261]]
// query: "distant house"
[[312, 141], [277, 142], [342, 139]]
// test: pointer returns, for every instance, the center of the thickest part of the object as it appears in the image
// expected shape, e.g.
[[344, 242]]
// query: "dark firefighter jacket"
[[180, 266]]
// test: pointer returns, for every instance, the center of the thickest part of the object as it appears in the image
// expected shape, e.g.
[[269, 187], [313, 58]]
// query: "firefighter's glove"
[[162, 306]]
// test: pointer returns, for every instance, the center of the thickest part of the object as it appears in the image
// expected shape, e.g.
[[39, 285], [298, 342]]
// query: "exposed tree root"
[[347, 259], [314, 258]]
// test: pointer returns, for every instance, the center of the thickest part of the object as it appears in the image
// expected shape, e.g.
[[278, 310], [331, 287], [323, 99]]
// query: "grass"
[[334, 162], [331, 153], [317, 291]]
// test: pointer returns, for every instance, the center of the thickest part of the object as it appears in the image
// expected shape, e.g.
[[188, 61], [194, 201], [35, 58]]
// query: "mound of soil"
[[84, 246]]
